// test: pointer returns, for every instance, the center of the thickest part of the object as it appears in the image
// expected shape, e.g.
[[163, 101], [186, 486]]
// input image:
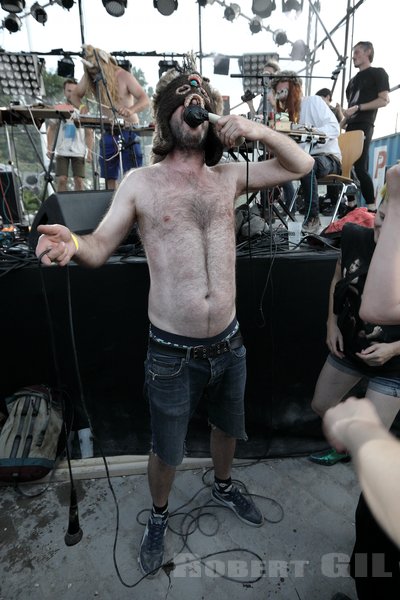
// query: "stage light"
[[232, 12], [13, 6], [251, 67], [166, 65], [20, 75], [221, 64], [165, 7], [125, 64], [255, 25], [289, 5], [300, 50], [115, 8], [12, 23], [38, 13], [66, 67], [280, 37], [65, 3], [263, 8]]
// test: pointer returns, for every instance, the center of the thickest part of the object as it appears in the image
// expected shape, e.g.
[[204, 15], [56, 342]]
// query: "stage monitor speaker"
[[8, 200], [81, 212]]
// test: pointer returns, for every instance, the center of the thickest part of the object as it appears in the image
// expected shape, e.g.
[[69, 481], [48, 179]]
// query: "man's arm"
[[51, 135], [381, 297], [89, 139], [60, 245], [354, 426], [76, 97], [289, 162], [380, 101]]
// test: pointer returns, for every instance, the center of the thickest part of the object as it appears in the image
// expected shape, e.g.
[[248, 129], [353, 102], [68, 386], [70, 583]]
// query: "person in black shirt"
[[358, 349], [366, 92]]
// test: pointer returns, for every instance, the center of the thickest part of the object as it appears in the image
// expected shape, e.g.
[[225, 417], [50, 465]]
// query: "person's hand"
[[349, 112], [377, 354], [124, 112], [49, 153], [89, 156], [337, 421], [334, 339], [57, 241]]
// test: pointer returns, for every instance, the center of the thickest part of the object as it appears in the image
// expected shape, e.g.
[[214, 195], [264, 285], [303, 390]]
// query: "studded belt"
[[206, 351]]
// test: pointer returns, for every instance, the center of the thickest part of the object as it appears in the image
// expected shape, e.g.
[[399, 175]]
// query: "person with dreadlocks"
[[118, 95], [184, 206], [310, 111]]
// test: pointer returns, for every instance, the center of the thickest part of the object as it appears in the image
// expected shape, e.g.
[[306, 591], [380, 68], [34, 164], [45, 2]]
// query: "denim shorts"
[[174, 385], [389, 385]]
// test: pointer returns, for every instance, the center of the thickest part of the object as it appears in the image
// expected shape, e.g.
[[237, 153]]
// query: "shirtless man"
[[184, 207], [120, 95]]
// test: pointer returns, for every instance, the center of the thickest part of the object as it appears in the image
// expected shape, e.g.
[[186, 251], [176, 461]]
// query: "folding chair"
[[351, 145]]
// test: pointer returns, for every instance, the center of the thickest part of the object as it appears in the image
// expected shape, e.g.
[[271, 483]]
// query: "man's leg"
[[62, 181], [222, 449], [78, 184], [161, 477]]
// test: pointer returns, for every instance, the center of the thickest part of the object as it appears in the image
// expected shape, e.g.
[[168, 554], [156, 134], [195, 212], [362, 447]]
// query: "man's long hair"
[[109, 68], [291, 104]]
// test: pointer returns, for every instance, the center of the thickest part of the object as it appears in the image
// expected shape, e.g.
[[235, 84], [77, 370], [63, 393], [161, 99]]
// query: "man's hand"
[[57, 242], [338, 421]]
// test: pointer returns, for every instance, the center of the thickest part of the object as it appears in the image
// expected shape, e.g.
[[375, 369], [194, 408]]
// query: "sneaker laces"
[[156, 532]]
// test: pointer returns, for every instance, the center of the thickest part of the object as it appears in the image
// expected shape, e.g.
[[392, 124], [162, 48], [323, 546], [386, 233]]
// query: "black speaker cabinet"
[[8, 202], [81, 212]]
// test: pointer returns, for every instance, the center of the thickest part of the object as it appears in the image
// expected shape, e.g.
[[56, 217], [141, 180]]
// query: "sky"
[[142, 29]]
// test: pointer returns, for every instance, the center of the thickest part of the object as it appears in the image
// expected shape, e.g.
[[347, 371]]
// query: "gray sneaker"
[[243, 507], [312, 225], [152, 546]]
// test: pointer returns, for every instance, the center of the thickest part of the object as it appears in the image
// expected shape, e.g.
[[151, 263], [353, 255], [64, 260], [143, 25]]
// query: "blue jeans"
[[389, 385], [324, 165], [174, 385], [131, 154]]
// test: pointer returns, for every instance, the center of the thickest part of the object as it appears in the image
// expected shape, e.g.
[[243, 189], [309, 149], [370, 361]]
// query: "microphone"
[[194, 115], [74, 533]]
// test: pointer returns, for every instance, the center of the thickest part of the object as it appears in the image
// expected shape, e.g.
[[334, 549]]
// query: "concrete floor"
[[298, 554]]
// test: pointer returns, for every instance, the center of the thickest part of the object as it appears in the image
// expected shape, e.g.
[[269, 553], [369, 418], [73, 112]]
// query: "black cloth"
[[374, 557], [362, 88], [357, 246]]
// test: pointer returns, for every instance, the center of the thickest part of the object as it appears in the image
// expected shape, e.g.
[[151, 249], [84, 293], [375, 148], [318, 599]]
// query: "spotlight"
[[38, 13], [66, 67], [232, 12], [280, 37], [115, 8], [221, 64], [166, 65], [12, 23], [263, 8], [65, 3], [165, 7], [289, 5], [251, 66], [300, 50], [255, 25], [125, 64], [13, 6]]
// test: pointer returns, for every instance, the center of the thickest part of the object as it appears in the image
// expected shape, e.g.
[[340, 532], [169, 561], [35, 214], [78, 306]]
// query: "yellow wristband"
[[82, 106], [75, 240]]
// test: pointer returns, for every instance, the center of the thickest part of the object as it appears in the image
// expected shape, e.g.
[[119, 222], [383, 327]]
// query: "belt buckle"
[[200, 352]]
